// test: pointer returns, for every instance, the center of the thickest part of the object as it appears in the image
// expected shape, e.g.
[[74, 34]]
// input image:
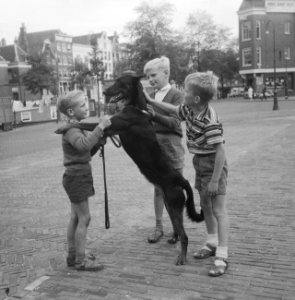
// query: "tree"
[[149, 33], [201, 33], [80, 75], [40, 76], [97, 66], [223, 63]]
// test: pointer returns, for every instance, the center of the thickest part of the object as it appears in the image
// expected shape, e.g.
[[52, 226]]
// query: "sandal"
[[220, 266], [156, 236], [88, 265], [205, 252]]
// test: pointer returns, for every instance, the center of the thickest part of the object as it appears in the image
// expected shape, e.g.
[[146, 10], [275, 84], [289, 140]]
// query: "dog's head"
[[128, 87]]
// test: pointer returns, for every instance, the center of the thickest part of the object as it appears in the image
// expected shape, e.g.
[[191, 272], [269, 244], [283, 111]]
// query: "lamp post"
[[286, 76], [275, 98]]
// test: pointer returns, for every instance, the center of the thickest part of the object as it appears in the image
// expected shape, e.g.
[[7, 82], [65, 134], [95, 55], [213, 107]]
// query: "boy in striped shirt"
[[205, 141]]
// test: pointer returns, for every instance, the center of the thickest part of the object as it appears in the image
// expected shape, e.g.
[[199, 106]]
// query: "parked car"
[[268, 94], [236, 92]]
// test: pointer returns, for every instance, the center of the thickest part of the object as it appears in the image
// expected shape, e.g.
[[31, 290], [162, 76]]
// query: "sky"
[[79, 17]]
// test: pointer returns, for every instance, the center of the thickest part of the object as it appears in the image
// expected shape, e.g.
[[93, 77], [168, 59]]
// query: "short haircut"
[[68, 101], [162, 63], [203, 84]]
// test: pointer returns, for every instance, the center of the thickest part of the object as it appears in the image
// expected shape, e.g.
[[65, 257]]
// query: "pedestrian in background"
[[168, 131], [205, 142], [78, 146]]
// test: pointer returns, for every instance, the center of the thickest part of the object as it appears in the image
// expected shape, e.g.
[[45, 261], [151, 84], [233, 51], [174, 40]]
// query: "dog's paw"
[[180, 260]]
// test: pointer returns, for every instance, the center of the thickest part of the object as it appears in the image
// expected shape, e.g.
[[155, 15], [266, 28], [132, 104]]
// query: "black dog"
[[138, 138]]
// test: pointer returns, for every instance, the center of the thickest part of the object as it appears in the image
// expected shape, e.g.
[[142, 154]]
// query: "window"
[[258, 30], [258, 56], [287, 28], [287, 53], [246, 31], [247, 57]]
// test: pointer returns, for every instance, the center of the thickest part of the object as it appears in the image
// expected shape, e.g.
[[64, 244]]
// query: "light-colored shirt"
[[160, 94], [202, 130]]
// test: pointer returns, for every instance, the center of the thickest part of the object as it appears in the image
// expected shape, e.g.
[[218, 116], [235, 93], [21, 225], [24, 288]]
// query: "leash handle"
[[106, 201]]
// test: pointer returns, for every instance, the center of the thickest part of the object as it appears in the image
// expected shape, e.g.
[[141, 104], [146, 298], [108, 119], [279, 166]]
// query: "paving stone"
[[34, 212]]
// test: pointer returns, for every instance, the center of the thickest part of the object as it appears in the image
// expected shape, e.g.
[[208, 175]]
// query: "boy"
[[168, 130], [205, 141], [77, 179]]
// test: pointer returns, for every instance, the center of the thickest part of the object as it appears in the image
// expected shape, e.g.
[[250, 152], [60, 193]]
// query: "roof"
[[13, 53], [36, 39], [85, 39], [2, 59], [246, 4]]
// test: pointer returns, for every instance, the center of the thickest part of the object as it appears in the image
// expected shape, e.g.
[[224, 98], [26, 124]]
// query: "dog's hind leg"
[[175, 203]]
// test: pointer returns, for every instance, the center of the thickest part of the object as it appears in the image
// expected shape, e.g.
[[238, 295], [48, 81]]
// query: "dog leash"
[[106, 201], [116, 141]]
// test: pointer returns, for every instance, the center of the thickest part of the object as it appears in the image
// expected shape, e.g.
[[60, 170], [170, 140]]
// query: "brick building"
[[267, 44]]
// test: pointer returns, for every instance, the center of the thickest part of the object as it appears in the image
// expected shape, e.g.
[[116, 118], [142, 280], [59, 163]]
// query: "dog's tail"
[[190, 204]]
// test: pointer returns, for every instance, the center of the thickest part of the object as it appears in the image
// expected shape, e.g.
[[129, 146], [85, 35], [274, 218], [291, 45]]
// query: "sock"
[[212, 239], [222, 252], [159, 225]]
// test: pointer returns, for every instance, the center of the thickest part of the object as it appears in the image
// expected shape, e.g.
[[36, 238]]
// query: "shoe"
[[88, 265], [71, 258], [156, 236], [219, 268], [205, 252]]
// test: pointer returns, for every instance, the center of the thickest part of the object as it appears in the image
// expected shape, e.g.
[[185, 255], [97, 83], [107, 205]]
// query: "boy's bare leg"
[[82, 211], [72, 226], [209, 248], [221, 215], [210, 220]]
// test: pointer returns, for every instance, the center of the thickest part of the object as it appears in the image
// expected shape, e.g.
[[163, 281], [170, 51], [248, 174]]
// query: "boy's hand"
[[151, 111], [212, 188], [147, 96], [104, 122]]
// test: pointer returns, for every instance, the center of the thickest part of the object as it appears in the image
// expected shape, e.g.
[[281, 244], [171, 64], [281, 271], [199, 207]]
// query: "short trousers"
[[204, 166], [78, 187]]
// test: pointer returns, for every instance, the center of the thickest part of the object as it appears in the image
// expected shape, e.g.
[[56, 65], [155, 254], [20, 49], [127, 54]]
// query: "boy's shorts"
[[204, 166], [78, 187]]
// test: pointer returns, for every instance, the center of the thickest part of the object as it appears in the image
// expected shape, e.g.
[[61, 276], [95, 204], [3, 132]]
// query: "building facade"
[[56, 48], [108, 51], [267, 44]]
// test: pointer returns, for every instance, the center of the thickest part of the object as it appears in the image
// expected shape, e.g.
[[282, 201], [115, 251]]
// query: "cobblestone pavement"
[[34, 212]]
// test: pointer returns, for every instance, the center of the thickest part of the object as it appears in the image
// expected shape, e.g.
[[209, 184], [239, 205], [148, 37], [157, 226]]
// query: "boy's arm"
[[168, 121], [86, 142], [165, 107], [218, 165]]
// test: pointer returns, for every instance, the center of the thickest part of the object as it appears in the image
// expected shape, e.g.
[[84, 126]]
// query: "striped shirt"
[[202, 130]]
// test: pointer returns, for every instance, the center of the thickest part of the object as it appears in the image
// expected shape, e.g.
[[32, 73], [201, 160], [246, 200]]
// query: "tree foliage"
[[80, 75], [40, 76], [200, 46], [97, 66], [149, 33]]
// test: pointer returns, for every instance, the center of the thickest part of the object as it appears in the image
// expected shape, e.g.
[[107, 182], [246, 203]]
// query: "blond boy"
[[77, 179], [205, 141]]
